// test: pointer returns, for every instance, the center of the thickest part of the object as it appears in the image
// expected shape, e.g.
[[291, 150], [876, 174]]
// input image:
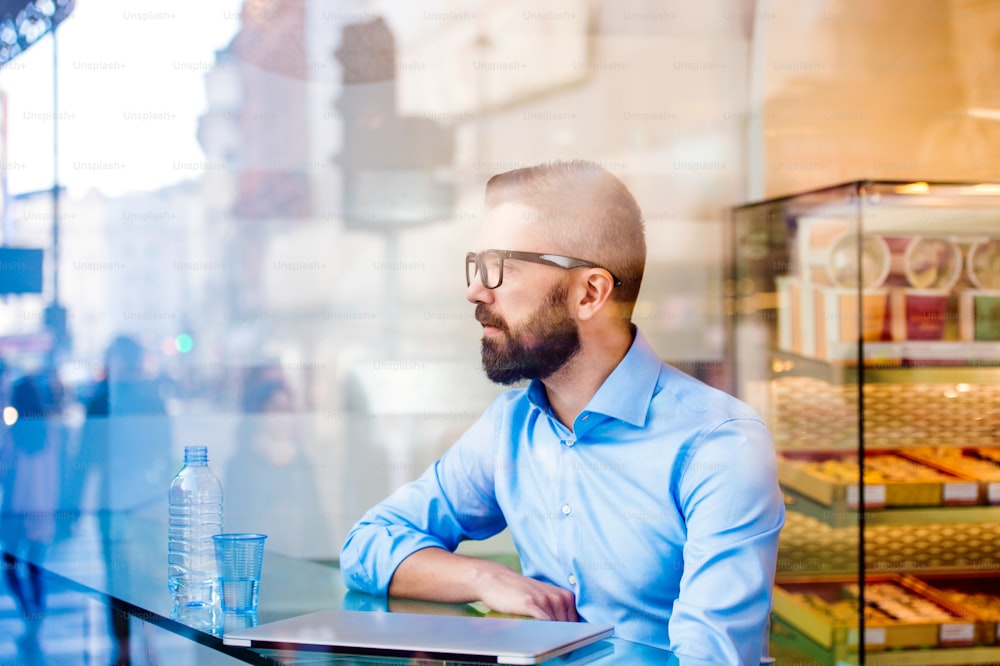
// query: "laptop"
[[433, 637]]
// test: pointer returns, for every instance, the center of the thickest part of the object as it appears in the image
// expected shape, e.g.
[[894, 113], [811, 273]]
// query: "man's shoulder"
[[696, 396]]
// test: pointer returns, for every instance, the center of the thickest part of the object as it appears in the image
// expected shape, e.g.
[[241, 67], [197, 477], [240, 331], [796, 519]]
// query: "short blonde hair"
[[586, 212]]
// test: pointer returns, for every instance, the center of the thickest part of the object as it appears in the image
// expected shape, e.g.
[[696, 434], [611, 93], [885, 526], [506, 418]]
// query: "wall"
[[893, 89]]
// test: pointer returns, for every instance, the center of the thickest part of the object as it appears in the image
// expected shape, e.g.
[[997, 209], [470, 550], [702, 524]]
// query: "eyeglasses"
[[489, 265]]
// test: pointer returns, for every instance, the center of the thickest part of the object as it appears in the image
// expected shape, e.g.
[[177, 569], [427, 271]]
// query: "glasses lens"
[[489, 267], [492, 266]]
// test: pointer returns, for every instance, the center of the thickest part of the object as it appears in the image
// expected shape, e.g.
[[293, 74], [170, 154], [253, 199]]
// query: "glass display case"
[[864, 326]]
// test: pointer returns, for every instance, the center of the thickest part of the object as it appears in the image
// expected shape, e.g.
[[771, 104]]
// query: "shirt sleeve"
[[734, 512], [452, 501]]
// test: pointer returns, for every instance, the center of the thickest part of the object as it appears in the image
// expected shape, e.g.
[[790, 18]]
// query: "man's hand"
[[434, 574], [506, 591]]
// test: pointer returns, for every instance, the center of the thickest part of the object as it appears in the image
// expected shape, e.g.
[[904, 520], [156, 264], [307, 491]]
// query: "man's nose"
[[476, 292]]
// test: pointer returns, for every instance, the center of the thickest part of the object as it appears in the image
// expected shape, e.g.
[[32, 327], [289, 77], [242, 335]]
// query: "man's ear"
[[594, 294]]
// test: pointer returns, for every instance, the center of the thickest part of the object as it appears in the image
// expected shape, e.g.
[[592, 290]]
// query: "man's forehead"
[[510, 226]]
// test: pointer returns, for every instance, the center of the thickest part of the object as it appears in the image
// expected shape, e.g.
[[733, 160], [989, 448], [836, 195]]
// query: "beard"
[[535, 349]]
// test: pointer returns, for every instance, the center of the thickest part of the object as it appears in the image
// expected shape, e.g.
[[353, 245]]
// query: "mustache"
[[487, 318]]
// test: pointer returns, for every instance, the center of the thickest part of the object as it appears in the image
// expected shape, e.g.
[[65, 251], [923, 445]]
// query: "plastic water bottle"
[[195, 501]]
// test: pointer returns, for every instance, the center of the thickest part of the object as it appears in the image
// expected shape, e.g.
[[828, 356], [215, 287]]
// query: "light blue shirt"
[[660, 509]]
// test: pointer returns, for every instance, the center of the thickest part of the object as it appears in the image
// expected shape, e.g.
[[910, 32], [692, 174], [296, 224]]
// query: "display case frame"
[[860, 328]]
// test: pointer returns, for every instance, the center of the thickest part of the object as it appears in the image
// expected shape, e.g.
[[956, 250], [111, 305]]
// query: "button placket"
[[568, 492], [566, 486]]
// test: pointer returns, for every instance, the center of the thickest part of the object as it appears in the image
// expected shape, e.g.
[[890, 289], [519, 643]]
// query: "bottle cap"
[[195, 454]]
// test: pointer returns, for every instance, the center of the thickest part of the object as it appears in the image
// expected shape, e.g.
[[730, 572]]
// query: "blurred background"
[[271, 199]]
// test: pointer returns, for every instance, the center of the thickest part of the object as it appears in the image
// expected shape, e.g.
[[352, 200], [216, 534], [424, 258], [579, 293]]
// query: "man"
[[635, 495]]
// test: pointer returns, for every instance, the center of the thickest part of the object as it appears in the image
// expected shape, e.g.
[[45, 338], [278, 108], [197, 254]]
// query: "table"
[[127, 571]]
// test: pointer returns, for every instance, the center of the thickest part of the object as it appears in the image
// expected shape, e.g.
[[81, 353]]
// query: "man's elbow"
[[355, 570]]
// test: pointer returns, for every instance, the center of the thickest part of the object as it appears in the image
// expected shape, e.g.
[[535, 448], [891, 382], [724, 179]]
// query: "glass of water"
[[239, 557]]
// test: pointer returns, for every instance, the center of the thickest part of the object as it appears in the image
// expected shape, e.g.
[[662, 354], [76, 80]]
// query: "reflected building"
[[123, 264]]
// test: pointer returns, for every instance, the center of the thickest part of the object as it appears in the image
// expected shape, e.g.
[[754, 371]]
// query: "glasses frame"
[[544, 258]]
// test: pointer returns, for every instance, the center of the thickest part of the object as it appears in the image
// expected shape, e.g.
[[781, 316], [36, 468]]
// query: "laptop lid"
[[410, 635]]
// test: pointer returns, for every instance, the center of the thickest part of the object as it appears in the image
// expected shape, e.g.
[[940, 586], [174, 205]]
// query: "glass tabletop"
[[121, 561]]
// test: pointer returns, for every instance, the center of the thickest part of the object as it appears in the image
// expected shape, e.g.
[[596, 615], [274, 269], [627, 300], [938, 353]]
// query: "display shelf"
[[936, 657], [807, 414], [866, 324], [839, 514], [789, 646], [890, 370], [813, 548]]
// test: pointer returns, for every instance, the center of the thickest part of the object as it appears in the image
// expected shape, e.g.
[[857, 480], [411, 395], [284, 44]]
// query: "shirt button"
[[569, 442], [572, 579], [566, 510]]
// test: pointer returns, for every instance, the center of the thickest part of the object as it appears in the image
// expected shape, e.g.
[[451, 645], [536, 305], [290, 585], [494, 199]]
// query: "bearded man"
[[635, 495]]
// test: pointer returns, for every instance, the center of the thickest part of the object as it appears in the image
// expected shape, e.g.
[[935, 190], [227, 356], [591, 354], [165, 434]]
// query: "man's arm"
[[404, 546], [434, 574], [734, 512]]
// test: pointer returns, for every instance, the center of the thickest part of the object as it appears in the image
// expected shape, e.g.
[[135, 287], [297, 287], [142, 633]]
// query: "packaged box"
[[792, 308], [979, 314], [919, 314], [854, 260], [924, 262], [840, 321], [815, 236], [982, 263]]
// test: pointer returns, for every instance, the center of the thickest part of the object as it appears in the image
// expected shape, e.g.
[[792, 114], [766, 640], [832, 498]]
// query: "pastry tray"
[[973, 594], [977, 463], [903, 613], [831, 478]]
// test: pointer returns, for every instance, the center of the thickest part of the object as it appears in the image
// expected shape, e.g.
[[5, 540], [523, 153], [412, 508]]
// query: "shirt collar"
[[626, 393]]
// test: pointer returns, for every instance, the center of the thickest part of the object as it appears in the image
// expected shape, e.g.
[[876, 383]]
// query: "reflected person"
[[635, 495], [126, 444], [126, 438], [29, 477], [269, 482]]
